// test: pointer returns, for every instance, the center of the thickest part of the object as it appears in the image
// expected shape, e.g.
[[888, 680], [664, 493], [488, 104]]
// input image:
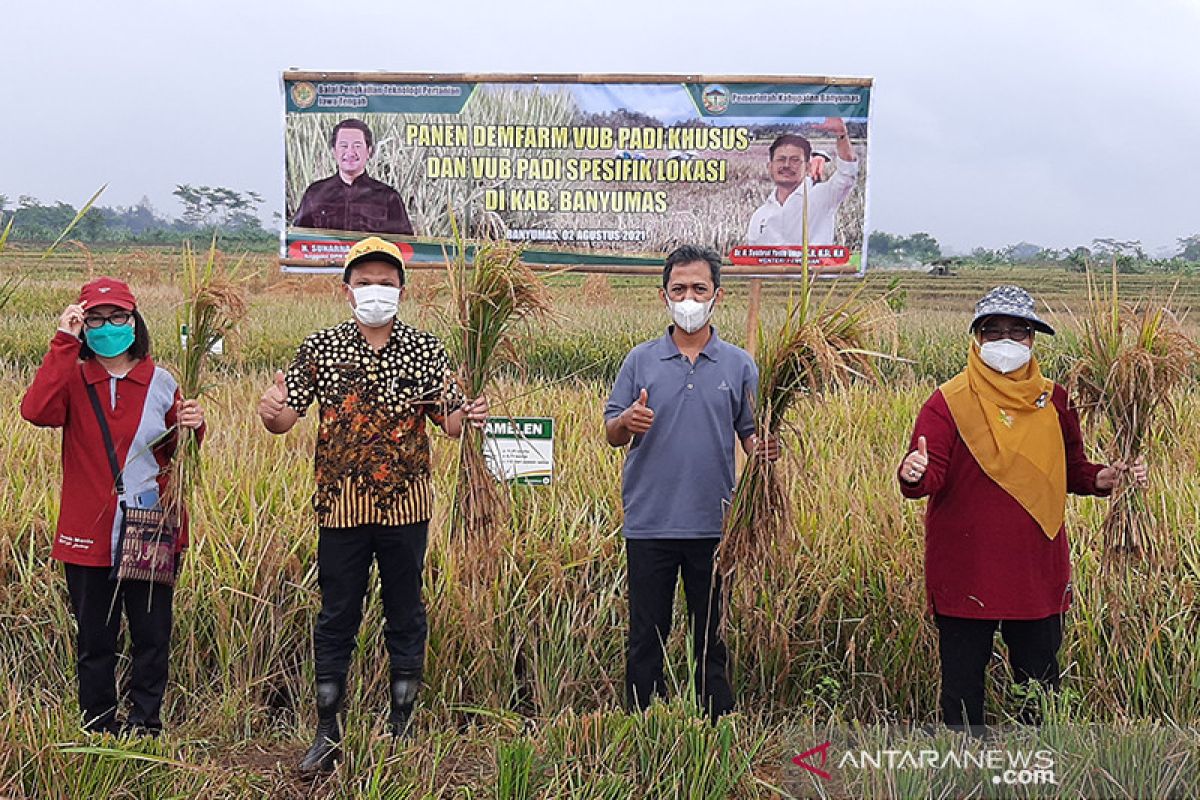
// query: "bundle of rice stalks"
[[488, 299], [214, 302], [818, 348], [1132, 356]]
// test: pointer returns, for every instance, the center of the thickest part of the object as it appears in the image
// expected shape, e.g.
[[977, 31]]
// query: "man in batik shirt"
[[375, 380]]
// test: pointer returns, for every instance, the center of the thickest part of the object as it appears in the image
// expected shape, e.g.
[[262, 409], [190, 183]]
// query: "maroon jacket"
[[139, 421], [985, 556]]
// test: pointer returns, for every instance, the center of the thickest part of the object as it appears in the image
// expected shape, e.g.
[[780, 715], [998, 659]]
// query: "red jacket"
[[985, 556], [143, 413]]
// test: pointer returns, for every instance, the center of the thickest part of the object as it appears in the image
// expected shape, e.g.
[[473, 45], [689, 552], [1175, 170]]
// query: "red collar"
[[142, 372]]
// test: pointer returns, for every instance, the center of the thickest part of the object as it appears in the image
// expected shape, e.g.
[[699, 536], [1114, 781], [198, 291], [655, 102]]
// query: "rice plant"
[[431, 202], [10, 285], [79, 215]]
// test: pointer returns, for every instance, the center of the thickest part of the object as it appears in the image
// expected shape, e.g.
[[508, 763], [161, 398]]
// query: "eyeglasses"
[[996, 334], [794, 161], [116, 318]]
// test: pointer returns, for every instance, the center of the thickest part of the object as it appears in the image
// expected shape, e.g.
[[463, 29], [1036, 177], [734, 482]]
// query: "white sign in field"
[[520, 449], [217, 349]]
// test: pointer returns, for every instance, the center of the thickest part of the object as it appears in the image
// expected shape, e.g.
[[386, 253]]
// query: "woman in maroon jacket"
[[996, 449], [142, 407]]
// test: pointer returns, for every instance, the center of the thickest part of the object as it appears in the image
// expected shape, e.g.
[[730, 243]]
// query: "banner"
[[578, 170]]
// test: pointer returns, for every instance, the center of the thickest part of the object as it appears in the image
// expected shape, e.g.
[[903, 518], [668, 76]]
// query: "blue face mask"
[[109, 340]]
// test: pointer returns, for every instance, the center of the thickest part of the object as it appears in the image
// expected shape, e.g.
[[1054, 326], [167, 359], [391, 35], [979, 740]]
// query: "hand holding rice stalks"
[[1132, 358]]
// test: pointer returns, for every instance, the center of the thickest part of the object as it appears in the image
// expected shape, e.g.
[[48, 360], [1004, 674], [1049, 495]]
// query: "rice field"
[[523, 676]]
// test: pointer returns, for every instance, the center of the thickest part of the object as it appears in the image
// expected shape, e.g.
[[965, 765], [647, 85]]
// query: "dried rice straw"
[[1132, 358], [489, 296]]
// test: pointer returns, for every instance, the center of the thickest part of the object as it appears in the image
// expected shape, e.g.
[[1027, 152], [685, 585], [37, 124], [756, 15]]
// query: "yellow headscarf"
[[1011, 427]]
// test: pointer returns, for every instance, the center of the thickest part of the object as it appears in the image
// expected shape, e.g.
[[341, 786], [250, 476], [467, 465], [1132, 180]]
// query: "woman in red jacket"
[[142, 406], [996, 449]]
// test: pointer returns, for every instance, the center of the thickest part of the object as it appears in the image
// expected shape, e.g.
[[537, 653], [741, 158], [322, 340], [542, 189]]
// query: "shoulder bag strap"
[[108, 442]]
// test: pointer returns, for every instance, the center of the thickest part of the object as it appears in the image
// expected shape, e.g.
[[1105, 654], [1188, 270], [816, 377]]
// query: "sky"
[[992, 123]]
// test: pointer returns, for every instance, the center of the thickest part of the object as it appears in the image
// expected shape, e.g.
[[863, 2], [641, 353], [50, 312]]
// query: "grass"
[[832, 643]]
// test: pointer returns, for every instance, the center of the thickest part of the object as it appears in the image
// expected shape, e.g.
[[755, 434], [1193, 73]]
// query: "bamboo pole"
[[615, 77], [752, 315], [327, 265]]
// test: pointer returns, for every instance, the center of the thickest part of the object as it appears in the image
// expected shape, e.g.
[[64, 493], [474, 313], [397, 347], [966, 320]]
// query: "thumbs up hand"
[[638, 418], [912, 470], [274, 399]]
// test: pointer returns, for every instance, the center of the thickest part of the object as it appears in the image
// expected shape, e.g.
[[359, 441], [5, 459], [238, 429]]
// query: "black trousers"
[[653, 567], [343, 567], [965, 647], [96, 601]]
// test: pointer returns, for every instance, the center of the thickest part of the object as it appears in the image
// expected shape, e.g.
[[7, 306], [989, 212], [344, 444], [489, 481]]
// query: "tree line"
[[234, 217], [1129, 255], [207, 210]]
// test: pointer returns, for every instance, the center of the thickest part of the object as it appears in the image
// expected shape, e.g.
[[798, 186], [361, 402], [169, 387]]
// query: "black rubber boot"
[[404, 695], [326, 747]]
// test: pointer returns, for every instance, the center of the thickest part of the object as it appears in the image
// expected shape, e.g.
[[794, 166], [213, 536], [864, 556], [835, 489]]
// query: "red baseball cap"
[[107, 291]]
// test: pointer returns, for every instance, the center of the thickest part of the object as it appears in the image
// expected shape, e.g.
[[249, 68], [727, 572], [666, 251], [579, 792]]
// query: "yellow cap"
[[374, 249]]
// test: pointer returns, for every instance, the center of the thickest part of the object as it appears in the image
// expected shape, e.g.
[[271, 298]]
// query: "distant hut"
[[943, 266]]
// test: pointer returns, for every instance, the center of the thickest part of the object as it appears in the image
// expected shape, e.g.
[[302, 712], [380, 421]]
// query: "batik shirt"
[[372, 456]]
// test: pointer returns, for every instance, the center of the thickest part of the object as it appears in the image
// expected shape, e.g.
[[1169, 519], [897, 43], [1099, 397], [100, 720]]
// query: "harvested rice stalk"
[[488, 298], [214, 302], [819, 348], [1132, 356]]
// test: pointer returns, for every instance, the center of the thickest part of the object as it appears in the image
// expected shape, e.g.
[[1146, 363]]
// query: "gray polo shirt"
[[679, 476]]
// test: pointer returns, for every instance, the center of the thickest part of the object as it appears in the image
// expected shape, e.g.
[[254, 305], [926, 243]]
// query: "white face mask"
[[690, 314], [1005, 355], [375, 306]]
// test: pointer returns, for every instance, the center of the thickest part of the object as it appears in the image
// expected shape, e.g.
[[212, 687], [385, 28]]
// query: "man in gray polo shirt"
[[684, 401]]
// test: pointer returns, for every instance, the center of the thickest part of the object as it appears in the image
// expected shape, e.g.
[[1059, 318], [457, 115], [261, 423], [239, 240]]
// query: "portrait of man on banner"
[[351, 200], [780, 218]]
